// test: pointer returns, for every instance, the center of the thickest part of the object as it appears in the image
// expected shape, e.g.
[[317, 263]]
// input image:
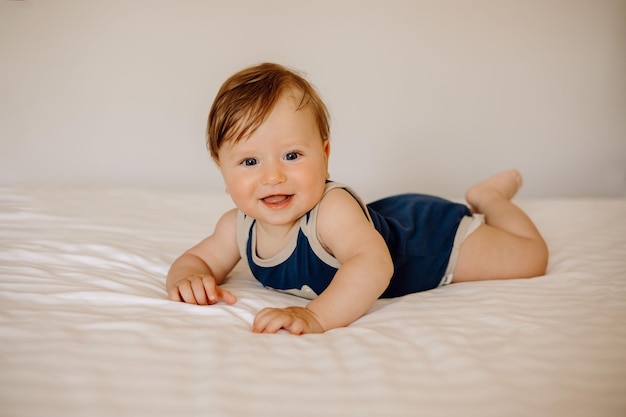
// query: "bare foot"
[[504, 184]]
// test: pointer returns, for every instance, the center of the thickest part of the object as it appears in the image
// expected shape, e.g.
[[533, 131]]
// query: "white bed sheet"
[[86, 328]]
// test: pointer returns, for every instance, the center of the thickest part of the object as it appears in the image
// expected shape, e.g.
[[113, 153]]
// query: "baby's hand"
[[296, 320], [200, 289]]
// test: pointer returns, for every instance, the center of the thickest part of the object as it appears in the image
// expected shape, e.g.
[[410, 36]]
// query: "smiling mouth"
[[277, 201]]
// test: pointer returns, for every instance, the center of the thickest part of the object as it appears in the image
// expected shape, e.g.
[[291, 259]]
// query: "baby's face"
[[277, 174]]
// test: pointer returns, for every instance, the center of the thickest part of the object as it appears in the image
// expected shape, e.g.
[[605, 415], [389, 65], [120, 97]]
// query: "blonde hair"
[[247, 98]]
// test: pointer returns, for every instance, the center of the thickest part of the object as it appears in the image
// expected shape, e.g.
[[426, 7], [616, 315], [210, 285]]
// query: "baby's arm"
[[366, 270], [195, 276]]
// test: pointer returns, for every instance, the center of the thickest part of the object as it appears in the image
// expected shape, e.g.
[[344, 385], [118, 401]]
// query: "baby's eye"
[[249, 162], [292, 156]]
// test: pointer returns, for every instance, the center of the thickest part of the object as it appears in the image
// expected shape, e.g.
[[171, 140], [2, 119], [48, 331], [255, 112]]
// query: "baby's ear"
[[326, 155], [326, 145]]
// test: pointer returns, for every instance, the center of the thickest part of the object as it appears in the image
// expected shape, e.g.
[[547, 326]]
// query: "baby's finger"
[[210, 289], [186, 293], [173, 294], [261, 318], [199, 291], [297, 327], [270, 320], [227, 297]]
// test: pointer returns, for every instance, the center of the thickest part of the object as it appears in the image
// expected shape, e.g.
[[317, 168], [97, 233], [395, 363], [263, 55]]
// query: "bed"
[[87, 330]]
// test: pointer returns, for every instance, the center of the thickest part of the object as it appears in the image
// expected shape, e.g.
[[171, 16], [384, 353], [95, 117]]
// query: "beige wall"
[[425, 95]]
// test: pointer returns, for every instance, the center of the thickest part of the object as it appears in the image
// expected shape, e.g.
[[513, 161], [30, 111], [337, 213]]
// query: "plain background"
[[426, 96]]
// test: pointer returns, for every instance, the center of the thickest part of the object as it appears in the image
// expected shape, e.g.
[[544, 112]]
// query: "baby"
[[268, 132]]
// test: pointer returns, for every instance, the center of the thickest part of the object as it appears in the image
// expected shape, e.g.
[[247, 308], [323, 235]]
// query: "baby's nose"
[[273, 175]]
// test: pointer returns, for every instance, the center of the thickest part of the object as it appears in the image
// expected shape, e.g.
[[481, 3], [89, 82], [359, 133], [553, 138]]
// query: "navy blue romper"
[[419, 231]]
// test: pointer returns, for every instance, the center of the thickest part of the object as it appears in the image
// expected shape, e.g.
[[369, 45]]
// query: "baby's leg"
[[508, 245]]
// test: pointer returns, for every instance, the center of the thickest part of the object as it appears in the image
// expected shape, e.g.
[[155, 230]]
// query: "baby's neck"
[[271, 239]]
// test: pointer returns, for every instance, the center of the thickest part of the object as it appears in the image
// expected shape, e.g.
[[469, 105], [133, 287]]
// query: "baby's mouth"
[[277, 201]]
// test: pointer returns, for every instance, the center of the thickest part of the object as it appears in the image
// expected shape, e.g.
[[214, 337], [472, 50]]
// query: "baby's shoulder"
[[228, 222], [341, 204], [335, 198]]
